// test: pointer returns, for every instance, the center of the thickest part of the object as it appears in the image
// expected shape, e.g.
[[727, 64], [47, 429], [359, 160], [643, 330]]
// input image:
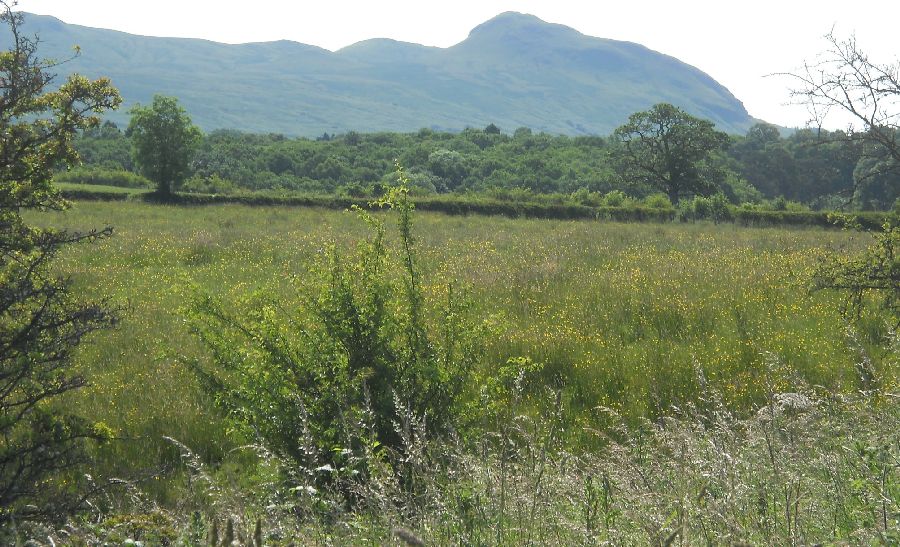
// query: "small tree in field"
[[41, 322], [164, 140], [668, 149]]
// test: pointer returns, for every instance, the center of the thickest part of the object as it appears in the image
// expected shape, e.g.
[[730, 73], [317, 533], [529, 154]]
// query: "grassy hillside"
[[514, 70]]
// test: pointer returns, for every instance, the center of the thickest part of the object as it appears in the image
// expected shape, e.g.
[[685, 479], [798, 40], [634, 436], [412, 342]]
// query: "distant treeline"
[[808, 167]]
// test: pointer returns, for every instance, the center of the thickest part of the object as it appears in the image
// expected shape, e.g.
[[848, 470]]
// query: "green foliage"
[[803, 166], [875, 272], [668, 149], [586, 197], [213, 184], [522, 167], [782, 204], [764, 217], [510, 389], [715, 208], [876, 181], [98, 176], [337, 376], [719, 208], [616, 198], [105, 147], [41, 323], [164, 141], [658, 201], [739, 190]]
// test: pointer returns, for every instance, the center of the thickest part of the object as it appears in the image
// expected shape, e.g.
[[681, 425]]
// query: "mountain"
[[513, 70]]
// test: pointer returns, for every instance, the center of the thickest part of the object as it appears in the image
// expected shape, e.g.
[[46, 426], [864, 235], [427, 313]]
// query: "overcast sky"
[[736, 46]]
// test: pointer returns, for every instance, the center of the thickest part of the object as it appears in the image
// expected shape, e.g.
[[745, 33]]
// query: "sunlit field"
[[624, 316], [638, 321]]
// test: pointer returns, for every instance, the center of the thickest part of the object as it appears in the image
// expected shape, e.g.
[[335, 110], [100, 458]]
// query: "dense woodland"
[[820, 169]]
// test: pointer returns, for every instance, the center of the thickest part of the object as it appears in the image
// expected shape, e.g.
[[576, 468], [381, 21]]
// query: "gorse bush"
[[319, 384]]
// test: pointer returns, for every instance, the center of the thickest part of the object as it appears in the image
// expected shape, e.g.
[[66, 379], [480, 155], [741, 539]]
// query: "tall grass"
[[616, 316], [806, 468]]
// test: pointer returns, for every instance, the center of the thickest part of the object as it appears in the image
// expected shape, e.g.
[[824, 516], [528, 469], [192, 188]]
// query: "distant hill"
[[514, 70]]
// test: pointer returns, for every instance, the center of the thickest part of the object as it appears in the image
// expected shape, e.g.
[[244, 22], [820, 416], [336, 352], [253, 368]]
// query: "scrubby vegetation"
[[596, 367]]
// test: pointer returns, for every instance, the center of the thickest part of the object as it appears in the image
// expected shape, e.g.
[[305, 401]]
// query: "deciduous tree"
[[845, 82], [41, 322], [668, 149], [164, 140]]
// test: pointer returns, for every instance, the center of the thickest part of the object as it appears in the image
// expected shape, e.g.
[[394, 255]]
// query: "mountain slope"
[[514, 70]]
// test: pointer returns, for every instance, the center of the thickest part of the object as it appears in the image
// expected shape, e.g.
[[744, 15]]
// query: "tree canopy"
[[668, 149], [164, 141]]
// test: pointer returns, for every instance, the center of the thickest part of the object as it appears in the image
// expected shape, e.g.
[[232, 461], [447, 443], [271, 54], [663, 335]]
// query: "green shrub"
[[797, 207], [353, 190], [873, 273], [584, 196], [212, 184], [103, 177], [635, 214], [658, 201], [616, 198], [347, 374], [719, 208], [685, 211], [702, 207], [715, 208]]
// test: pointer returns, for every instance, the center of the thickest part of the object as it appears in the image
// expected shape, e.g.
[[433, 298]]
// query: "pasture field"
[[635, 319], [621, 314]]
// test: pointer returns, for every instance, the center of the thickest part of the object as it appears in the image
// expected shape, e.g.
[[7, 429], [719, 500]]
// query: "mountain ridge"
[[512, 70]]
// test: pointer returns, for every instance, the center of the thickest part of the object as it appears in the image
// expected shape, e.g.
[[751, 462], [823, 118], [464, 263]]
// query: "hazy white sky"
[[738, 46]]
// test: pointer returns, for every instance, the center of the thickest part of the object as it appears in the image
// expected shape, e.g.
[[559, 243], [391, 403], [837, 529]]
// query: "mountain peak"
[[524, 29], [520, 24], [514, 17]]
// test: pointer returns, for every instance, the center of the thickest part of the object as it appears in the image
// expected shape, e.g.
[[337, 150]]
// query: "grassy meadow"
[[632, 320]]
